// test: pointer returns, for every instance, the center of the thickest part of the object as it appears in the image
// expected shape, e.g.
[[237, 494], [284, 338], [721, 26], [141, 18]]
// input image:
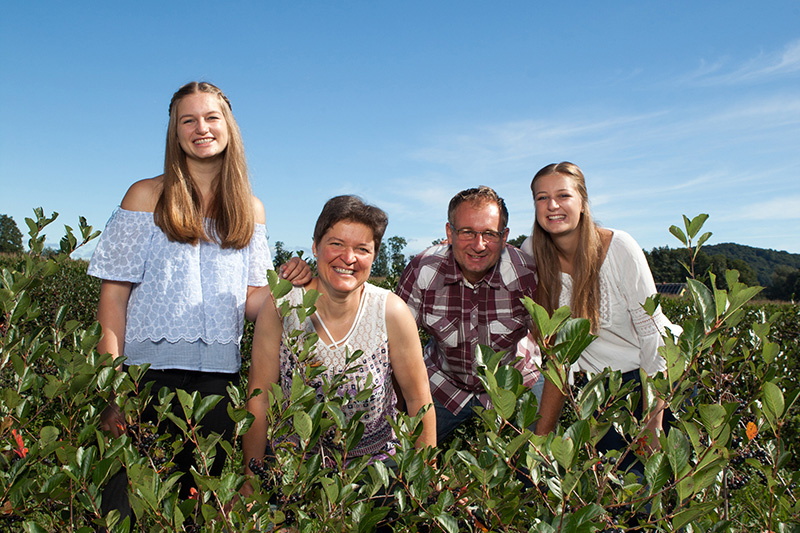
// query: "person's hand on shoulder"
[[297, 271]]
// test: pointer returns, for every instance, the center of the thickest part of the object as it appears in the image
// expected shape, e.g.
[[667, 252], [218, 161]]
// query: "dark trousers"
[[614, 441], [115, 495]]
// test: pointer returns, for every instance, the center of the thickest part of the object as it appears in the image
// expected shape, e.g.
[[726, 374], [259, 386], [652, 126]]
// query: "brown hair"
[[588, 259], [179, 211], [477, 196], [353, 209]]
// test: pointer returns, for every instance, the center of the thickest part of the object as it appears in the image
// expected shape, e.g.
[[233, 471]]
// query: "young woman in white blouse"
[[603, 276], [183, 261]]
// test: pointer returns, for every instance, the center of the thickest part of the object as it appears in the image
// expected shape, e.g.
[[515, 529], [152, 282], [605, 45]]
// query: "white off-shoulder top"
[[184, 297]]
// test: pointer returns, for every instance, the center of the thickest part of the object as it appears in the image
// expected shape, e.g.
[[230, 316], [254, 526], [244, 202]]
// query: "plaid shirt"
[[459, 316]]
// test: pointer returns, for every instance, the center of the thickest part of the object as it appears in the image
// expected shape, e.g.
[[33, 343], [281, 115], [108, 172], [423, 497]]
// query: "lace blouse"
[[181, 292], [368, 333]]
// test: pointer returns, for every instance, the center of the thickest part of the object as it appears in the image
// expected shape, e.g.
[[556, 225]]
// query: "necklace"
[[338, 344]]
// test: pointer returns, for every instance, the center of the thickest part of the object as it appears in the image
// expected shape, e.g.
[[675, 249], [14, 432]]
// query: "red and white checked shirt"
[[460, 316]]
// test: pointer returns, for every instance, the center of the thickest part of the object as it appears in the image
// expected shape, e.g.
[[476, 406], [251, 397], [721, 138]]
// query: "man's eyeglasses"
[[466, 234]]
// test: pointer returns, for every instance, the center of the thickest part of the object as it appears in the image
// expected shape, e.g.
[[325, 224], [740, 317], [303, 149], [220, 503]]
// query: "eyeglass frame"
[[488, 236]]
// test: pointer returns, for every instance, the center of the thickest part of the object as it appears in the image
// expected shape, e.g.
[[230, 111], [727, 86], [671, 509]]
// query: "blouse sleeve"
[[121, 253], [260, 257], [637, 285]]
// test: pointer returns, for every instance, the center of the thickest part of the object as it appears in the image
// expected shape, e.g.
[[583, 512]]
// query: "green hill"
[[763, 261]]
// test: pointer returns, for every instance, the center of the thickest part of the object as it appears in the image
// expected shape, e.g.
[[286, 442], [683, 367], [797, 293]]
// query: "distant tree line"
[[10, 236], [777, 271]]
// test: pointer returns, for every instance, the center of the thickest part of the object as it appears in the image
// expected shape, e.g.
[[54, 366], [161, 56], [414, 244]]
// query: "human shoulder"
[[437, 253], [626, 257], [259, 216], [623, 243], [143, 195], [425, 268], [514, 259], [398, 312], [395, 305]]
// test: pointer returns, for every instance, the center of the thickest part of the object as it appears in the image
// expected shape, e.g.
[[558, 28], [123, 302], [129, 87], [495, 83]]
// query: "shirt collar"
[[452, 272]]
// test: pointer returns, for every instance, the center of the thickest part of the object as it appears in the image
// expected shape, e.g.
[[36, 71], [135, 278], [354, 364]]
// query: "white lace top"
[[368, 333], [180, 292], [628, 338]]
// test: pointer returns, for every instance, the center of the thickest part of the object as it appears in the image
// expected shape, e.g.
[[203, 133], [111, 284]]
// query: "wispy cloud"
[[787, 208], [499, 148], [764, 67]]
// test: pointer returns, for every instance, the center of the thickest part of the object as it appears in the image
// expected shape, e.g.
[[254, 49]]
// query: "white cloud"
[[761, 68], [787, 208]]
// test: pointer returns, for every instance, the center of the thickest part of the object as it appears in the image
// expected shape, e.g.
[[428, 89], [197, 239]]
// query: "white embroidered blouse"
[[628, 338]]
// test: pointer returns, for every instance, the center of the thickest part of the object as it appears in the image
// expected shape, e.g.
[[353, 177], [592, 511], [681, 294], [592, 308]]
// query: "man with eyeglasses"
[[467, 292]]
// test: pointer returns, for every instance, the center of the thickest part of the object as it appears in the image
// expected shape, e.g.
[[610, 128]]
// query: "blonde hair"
[[588, 258], [179, 211]]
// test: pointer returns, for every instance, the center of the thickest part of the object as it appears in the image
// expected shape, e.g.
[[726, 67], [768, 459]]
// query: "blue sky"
[[670, 108]]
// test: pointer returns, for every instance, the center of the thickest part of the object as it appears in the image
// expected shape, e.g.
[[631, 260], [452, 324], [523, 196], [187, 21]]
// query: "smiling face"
[[476, 256], [558, 204], [202, 129], [344, 256]]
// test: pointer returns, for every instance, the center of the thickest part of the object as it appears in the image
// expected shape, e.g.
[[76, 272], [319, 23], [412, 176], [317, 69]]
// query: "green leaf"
[[773, 401], [547, 325], [302, 424], [331, 489], [85, 458], [579, 432], [657, 472], [563, 449], [187, 403], [574, 337], [696, 223], [30, 526], [679, 234], [206, 404], [770, 351], [48, 434], [279, 287], [447, 522], [504, 402], [310, 298], [209, 512], [713, 417], [703, 302], [678, 451], [693, 513]]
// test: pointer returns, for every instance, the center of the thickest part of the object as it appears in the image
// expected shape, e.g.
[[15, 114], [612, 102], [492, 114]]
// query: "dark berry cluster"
[[260, 470], [150, 445]]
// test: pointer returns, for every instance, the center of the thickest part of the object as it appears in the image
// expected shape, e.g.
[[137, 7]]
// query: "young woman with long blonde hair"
[[603, 276], [183, 261]]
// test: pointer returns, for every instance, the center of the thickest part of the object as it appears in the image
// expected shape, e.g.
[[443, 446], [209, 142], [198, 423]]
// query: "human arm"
[[407, 288], [295, 270], [654, 423], [635, 283], [550, 408], [111, 314], [408, 366], [120, 240], [264, 372]]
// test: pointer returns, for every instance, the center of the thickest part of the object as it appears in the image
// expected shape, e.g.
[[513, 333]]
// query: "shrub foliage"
[[728, 463]]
